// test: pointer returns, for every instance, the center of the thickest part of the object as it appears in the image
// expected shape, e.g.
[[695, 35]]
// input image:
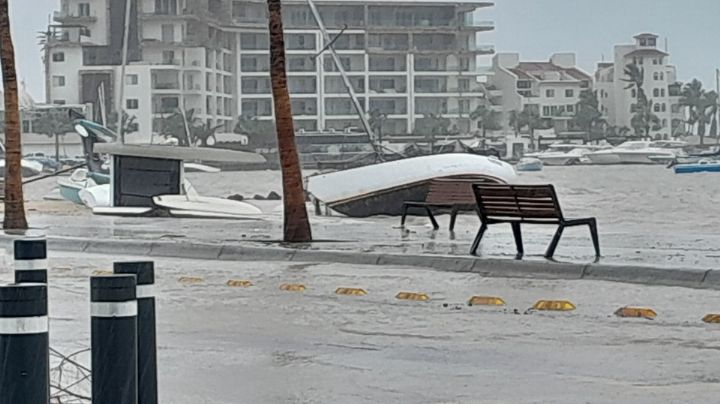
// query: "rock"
[[273, 196], [259, 197], [236, 197]]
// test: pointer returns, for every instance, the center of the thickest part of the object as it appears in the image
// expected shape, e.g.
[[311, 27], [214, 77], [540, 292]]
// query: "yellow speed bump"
[[102, 272], [711, 318], [418, 297], [642, 312], [351, 292], [190, 280], [237, 283], [292, 287], [486, 301], [554, 305]]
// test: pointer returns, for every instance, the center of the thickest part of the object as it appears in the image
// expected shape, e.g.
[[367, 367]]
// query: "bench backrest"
[[452, 191], [537, 202]]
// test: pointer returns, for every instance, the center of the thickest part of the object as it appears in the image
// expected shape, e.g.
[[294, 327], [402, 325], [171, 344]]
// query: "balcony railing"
[[65, 16]]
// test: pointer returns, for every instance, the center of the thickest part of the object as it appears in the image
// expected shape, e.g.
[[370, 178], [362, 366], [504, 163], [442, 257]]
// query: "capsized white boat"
[[196, 203], [381, 189]]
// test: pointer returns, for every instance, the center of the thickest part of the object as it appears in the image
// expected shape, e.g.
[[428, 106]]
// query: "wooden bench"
[[525, 204], [455, 194]]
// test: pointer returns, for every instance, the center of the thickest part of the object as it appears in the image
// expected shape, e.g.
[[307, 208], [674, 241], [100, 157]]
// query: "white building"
[[406, 58], [660, 84], [551, 87]]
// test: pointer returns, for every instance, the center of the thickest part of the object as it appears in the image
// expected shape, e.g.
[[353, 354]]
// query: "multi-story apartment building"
[[552, 87], [404, 58], [618, 100]]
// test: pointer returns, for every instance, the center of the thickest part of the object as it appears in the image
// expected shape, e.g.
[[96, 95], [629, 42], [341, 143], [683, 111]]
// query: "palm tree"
[[514, 121], [201, 134], [711, 112], [692, 98], [179, 126], [296, 224], [129, 123], [53, 123], [376, 121], [530, 117], [486, 119], [635, 76], [587, 113], [14, 205], [261, 134], [644, 119]]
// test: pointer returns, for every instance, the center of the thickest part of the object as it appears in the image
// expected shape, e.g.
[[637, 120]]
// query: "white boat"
[[381, 189], [71, 186], [529, 164], [637, 152], [209, 205], [30, 168], [562, 154], [200, 168]]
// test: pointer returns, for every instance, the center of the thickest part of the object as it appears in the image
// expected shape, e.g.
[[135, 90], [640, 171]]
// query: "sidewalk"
[[380, 241]]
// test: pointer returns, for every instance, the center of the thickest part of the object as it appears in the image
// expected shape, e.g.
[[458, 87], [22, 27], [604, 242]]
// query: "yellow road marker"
[[237, 283], [554, 305], [351, 292], [292, 287], [190, 280], [642, 312], [419, 297], [486, 301], [102, 272], [711, 318]]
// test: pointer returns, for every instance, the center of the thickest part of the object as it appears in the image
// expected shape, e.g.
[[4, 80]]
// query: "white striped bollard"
[[31, 263], [144, 272], [113, 311], [24, 344]]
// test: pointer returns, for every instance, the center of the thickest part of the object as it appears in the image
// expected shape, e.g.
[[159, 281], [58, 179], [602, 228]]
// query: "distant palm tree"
[[14, 205], [635, 77], [487, 119], [644, 120], [530, 117], [587, 113], [514, 121], [296, 227], [692, 98]]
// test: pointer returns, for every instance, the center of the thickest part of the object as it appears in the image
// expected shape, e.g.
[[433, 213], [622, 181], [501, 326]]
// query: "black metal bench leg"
[[432, 218], [517, 233], [476, 243], [404, 215], [453, 217], [595, 238], [554, 243]]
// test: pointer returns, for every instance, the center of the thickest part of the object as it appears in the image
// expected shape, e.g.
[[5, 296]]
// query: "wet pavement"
[[262, 345]]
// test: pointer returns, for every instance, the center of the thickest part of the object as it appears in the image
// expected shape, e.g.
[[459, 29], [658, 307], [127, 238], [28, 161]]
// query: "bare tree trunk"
[[14, 205], [296, 224]]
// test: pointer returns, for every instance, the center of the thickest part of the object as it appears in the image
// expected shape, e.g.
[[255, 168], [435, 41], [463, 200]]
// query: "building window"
[[131, 79], [633, 108], [633, 93], [168, 33], [656, 92], [662, 92], [571, 108], [85, 31], [58, 57], [84, 9], [662, 76], [168, 57], [569, 93], [166, 7], [550, 93], [131, 104], [664, 122], [664, 108], [656, 107], [523, 84], [546, 110], [58, 81], [656, 76], [26, 127], [59, 102]]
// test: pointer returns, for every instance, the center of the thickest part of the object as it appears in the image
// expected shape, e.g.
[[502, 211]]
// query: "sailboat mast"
[[121, 91], [346, 81]]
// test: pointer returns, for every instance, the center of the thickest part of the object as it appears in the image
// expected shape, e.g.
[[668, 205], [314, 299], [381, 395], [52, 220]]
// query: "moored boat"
[[381, 189], [702, 166], [529, 164]]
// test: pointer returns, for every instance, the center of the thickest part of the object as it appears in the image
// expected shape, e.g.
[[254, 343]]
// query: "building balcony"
[[65, 17]]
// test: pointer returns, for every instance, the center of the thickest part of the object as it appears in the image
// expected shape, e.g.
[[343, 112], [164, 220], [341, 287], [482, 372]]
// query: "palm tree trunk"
[[14, 205], [296, 224]]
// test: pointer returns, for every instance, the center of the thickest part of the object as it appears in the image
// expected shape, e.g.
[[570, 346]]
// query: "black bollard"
[[144, 272], [30, 260], [24, 344], [113, 311]]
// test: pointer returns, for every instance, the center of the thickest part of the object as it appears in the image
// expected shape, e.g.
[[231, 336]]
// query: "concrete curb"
[[692, 278]]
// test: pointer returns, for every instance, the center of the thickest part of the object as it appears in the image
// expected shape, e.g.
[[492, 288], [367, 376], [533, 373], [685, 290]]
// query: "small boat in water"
[[529, 164], [638, 152], [561, 154], [381, 189], [702, 166]]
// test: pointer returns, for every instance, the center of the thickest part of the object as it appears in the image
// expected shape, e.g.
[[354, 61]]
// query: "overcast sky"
[[535, 28]]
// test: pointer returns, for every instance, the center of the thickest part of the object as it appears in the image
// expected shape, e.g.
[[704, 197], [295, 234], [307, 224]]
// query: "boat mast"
[[348, 85], [121, 92]]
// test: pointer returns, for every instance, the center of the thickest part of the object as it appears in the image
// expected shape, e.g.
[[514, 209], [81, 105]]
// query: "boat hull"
[[697, 168]]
